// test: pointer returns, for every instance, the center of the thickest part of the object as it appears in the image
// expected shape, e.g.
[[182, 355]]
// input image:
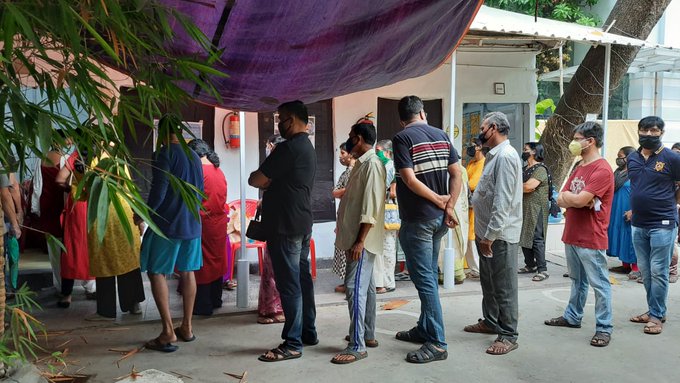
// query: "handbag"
[[256, 230], [392, 220]]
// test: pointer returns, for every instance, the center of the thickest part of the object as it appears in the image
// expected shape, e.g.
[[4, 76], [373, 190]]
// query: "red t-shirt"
[[587, 227]]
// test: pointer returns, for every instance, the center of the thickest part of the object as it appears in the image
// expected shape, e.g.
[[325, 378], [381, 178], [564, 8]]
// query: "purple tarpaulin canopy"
[[277, 51]]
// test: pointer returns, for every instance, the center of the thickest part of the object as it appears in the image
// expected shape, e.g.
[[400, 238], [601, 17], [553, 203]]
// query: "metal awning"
[[649, 60], [496, 24]]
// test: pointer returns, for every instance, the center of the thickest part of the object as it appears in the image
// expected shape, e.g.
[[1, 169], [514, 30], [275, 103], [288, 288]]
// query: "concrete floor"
[[232, 341]]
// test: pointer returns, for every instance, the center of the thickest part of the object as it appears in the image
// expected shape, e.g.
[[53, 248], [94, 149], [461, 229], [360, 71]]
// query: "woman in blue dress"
[[619, 232]]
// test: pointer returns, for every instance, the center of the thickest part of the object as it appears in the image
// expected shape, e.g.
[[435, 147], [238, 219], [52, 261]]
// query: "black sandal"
[[281, 353], [600, 339], [561, 322], [426, 354], [527, 270], [411, 335]]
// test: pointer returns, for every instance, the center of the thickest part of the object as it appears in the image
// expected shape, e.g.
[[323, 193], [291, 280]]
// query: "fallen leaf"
[[395, 304], [614, 281], [84, 339], [129, 354], [63, 344]]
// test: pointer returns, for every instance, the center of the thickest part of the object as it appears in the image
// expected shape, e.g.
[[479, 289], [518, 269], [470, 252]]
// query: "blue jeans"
[[589, 266], [654, 250], [420, 242], [290, 260]]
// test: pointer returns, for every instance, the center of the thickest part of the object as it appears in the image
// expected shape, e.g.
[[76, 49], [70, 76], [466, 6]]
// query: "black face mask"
[[470, 151], [650, 142], [525, 156], [283, 131], [620, 162], [482, 136]]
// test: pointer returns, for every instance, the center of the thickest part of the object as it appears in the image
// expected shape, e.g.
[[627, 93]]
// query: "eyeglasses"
[[647, 131]]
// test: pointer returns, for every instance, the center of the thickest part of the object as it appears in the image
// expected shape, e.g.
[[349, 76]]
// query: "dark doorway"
[[321, 121], [388, 116]]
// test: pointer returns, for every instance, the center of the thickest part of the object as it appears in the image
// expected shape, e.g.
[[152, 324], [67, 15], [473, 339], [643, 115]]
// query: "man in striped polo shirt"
[[428, 185]]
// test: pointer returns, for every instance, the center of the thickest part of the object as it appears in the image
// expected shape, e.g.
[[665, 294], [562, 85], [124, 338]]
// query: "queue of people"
[[630, 214]]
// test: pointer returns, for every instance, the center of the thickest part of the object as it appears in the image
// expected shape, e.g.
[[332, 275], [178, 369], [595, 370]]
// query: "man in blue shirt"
[[654, 172], [181, 224]]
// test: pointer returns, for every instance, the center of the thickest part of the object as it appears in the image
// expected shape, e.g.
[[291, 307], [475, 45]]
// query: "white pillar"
[[605, 93], [449, 260], [243, 266]]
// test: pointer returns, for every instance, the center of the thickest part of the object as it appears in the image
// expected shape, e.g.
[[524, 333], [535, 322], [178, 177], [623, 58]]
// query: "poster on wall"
[[311, 127], [194, 128]]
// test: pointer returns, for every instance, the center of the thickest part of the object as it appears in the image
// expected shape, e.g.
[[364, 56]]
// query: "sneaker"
[[136, 309]]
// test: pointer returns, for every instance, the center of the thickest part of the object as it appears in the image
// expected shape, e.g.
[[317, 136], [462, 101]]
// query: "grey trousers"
[[498, 277], [360, 292]]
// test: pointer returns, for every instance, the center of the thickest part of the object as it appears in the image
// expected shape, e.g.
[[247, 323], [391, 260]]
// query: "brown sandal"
[[645, 318], [561, 322], [653, 327], [372, 343], [480, 327], [501, 347], [600, 339]]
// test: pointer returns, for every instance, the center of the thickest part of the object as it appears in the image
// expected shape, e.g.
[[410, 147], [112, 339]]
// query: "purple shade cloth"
[[278, 51]]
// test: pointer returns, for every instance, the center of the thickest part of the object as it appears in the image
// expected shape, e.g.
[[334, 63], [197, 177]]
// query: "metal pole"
[[243, 265], [605, 93], [449, 261], [561, 72]]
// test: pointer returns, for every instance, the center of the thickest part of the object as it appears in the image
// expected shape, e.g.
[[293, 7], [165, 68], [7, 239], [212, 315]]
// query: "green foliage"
[[545, 105], [573, 11], [19, 341], [62, 48], [563, 10]]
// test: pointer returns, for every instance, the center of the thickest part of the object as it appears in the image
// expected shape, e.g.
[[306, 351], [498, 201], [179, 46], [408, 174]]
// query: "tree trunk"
[[633, 18]]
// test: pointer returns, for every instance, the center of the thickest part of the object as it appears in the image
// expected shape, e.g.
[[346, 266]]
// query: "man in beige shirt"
[[361, 227]]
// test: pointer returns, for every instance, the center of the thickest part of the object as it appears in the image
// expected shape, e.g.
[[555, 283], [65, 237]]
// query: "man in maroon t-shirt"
[[587, 196]]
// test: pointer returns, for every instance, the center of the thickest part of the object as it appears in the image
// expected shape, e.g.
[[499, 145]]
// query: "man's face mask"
[[282, 129]]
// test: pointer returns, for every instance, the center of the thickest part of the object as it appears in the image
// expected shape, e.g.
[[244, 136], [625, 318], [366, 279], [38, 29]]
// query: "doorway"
[[321, 124], [518, 116]]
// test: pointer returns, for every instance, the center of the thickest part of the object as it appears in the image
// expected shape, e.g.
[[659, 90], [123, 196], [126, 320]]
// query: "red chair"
[[251, 208]]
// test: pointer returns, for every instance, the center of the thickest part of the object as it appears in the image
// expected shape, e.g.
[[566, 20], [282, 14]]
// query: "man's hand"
[[442, 200], [16, 231], [450, 218], [356, 250], [485, 247], [628, 215]]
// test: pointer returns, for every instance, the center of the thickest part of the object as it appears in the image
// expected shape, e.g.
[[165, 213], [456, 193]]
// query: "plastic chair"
[[251, 208]]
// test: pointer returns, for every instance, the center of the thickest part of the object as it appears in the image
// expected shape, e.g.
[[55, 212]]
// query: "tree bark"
[[631, 18]]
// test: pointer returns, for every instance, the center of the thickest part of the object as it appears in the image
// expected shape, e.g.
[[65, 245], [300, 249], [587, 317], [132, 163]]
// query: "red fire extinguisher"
[[233, 138]]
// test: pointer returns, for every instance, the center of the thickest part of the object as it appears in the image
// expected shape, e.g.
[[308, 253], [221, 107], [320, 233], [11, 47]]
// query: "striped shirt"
[[428, 151]]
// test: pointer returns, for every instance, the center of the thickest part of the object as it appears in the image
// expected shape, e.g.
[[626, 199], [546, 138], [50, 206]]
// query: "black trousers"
[[130, 291], [535, 256], [208, 297]]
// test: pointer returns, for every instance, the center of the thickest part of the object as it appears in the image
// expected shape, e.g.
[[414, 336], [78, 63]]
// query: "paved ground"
[[231, 342]]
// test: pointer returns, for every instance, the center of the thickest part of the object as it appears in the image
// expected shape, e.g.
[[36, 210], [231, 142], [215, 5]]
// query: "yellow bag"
[[392, 220]]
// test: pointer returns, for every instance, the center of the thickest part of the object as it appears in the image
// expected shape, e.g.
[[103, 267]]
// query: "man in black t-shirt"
[[287, 176], [428, 185]]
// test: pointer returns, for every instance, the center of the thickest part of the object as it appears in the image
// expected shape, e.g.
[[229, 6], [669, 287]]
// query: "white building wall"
[[476, 73]]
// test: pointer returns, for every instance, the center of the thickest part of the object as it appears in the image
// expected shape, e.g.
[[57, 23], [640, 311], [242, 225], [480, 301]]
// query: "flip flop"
[[282, 352], [156, 345], [182, 337], [349, 352]]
